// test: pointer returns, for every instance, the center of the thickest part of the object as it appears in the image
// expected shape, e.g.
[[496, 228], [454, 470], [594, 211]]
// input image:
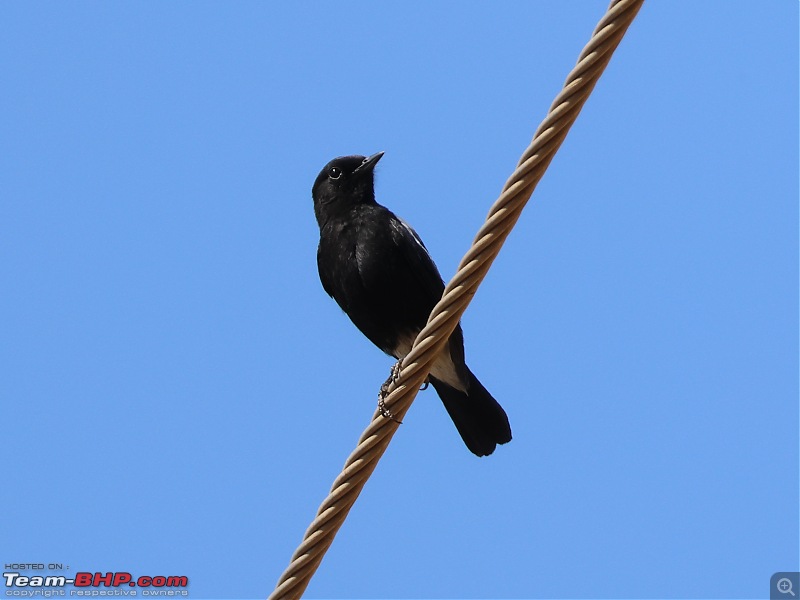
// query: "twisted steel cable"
[[458, 293]]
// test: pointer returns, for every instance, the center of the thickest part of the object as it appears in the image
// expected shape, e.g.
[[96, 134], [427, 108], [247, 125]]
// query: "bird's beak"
[[369, 163]]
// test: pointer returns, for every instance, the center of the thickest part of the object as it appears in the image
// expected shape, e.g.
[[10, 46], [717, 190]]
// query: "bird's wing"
[[396, 284], [429, 279], [418, 262]]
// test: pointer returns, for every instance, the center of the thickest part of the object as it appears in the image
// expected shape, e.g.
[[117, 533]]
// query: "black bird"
[[380, 273]]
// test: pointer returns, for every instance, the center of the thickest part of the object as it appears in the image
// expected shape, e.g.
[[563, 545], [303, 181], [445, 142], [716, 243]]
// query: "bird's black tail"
[[479, 418]]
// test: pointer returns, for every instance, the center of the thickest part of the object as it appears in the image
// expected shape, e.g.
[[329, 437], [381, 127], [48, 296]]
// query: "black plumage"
[[381, 275]]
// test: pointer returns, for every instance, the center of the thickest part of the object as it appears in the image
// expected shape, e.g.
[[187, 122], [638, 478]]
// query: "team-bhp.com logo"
[[87, 584]]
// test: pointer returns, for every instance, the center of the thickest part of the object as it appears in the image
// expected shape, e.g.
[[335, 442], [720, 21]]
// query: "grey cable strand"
[[458, 293]]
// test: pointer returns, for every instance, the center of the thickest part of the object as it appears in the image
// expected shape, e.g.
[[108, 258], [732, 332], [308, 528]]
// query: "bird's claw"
[[384, 391]]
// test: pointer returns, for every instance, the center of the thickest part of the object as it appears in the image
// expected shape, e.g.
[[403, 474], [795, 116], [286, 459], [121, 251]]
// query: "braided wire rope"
[[458, 293]]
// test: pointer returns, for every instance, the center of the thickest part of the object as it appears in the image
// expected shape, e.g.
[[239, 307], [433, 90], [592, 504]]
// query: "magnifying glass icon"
[[784, 586]]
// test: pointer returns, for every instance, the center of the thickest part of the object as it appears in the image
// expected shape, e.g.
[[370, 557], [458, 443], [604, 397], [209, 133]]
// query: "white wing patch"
[[405, 226], [443, 368]]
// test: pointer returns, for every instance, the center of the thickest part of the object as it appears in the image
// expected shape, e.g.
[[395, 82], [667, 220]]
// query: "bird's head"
[[343, 183]]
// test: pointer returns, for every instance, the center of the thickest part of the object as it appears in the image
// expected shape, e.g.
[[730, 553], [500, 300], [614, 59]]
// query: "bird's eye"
[[334, 172]]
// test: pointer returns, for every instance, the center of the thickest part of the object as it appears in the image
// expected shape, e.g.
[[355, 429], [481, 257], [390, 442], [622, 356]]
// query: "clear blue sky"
[[178, 392]]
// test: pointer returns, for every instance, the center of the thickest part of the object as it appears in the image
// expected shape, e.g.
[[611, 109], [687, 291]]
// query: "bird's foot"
[[384, 391], [425, 384]]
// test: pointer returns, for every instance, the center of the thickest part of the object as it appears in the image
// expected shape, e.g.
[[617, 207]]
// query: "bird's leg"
[[384, 391]]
